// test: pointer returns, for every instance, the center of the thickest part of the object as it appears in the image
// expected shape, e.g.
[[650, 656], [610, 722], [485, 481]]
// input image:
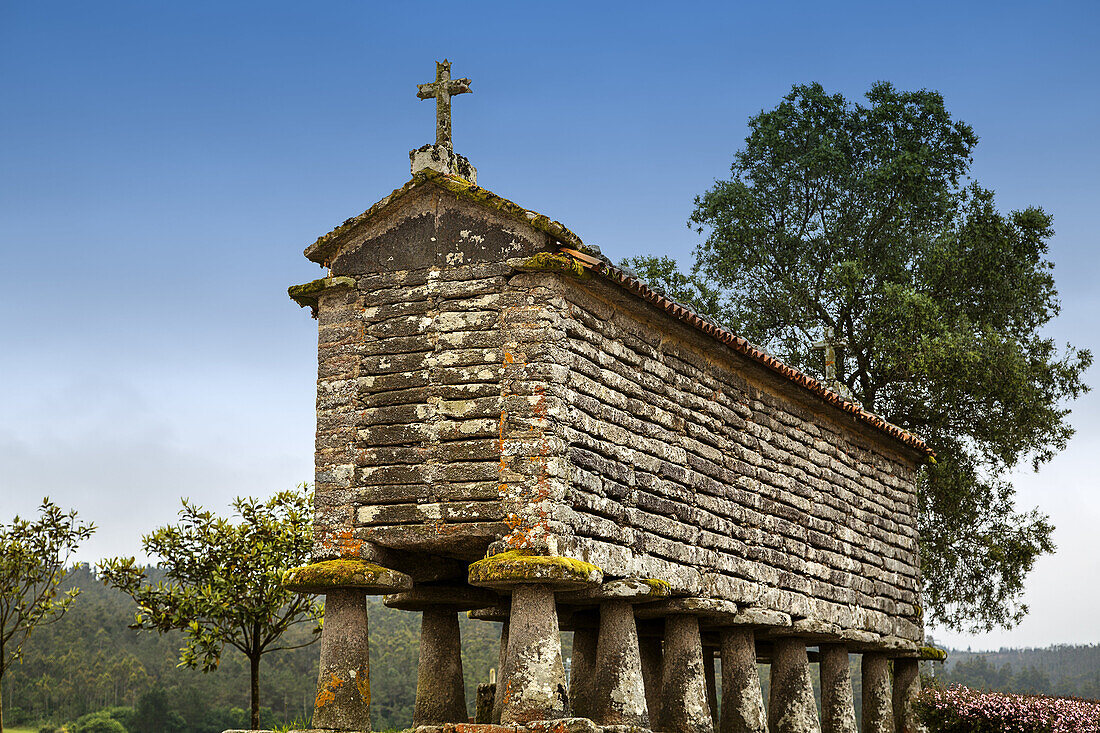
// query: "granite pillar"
[[838, 713], [878, 694], [791, 704], [742, 701], [683, 705]]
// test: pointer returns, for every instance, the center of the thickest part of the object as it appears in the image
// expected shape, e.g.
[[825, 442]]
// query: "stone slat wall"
[[409, 407], [683, 469]]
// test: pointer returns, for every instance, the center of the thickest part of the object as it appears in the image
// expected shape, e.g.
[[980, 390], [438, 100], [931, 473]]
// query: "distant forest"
[[91, 661]]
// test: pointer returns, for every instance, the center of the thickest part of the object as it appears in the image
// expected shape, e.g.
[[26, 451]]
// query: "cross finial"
[[443, 89], [830, 345]]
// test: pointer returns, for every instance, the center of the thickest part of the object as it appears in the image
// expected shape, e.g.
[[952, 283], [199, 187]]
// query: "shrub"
[[97, 722], [959, 709]]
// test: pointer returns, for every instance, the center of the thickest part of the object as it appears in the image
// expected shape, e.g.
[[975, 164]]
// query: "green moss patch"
[[320, 577], [307, 293], [523, 566], [932, 653]]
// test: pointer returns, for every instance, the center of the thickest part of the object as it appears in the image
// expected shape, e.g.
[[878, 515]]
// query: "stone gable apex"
[[326, 247]]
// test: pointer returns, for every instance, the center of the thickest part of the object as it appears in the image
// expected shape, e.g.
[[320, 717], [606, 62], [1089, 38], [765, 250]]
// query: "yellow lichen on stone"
[[658, 588], [552, 261], [523, 566], [320, 577]]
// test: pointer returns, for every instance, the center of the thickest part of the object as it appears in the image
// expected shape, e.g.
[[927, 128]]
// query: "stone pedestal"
[[440, 692], [906, 689], [712, 683], [838, 713], [791, 704], [878, 694], [649, 648], [742, 701], [533, 677], [620, 690], [582, 672], [683, 703], [498, 691], [619, 696], [343, 680]]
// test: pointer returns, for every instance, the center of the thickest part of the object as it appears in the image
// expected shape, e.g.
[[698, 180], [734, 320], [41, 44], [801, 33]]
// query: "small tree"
[[33, 559], [223, 581]]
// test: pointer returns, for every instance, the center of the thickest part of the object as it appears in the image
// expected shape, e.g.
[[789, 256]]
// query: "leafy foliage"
[[90, 660], [222, 581], [34, 555], [861, 219]]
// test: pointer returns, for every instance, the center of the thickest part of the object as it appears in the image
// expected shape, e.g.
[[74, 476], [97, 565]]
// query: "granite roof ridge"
[[633, 284], [322, 250]]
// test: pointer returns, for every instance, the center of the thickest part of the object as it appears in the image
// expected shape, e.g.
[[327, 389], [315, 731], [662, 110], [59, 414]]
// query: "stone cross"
[[830, 345], [443, 89]]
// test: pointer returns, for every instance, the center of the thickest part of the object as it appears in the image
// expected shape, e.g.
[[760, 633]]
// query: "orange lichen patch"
[[362, 684], [328, 693]]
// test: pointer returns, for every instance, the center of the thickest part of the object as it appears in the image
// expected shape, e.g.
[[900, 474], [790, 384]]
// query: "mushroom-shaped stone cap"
[[519, 567], [497, 612], [329, 575], [632, 590], [441, 597]]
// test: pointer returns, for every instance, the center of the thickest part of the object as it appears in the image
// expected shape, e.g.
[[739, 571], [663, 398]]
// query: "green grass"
[[20, 730]]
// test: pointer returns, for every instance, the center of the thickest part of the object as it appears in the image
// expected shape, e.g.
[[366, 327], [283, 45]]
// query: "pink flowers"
[[958, 709]]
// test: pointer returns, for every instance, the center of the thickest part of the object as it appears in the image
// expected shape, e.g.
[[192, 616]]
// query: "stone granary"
[[510, 425]]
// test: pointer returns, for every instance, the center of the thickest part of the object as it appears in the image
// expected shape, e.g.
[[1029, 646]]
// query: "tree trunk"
[[254, 673], [1, 701]]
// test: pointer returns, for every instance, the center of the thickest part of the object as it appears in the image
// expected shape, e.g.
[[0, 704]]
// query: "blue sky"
[[163, 165]]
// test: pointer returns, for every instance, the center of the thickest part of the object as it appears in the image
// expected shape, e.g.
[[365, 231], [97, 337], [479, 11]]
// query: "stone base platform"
[[563, 725]]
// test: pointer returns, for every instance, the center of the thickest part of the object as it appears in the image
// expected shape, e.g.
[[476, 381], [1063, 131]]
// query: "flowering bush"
[[958, 709]]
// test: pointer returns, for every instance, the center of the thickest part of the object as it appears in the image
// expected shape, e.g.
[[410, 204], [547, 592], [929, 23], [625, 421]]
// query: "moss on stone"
[[658, 588], [307, 293], [319, 577], [552, 261], [524, 566], [933, 653]]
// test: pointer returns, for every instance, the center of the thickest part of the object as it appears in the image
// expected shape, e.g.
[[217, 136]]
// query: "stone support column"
[[533, 677], [343, 681], [712, 683], [742, 701], [838, 713], [878, 708], [440, 691], [582, 671], [498, 692], [619, 695], [906, 688], [684, 706], [649, 648], [791, 704]]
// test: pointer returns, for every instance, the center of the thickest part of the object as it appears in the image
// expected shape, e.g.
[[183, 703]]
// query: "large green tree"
[[34, 555], [862, 218], [223, 581]]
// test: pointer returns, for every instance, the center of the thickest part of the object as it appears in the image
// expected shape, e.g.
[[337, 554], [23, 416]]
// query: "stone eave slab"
[[325, 248]]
